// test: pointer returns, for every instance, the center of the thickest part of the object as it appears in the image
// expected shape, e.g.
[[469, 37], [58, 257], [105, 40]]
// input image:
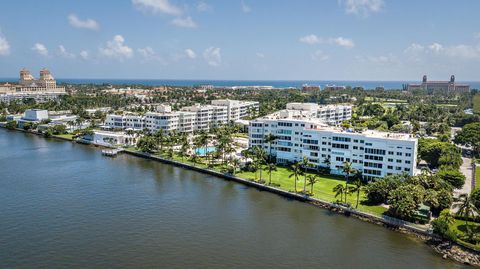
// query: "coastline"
[[447, 249]]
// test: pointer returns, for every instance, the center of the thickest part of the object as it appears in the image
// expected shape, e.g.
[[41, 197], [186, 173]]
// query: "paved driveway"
[[467, 170]]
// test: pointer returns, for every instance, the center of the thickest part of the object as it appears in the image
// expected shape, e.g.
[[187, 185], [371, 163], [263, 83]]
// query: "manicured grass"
[[477, 177], [460, 228], [323, 189], [242, 135], [476, 103]]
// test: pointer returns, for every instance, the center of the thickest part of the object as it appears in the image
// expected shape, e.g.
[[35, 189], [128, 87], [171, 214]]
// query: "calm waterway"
[[64, 205]]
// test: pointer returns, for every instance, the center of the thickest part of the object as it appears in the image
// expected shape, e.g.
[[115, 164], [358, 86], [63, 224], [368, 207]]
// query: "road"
[[467, 170]]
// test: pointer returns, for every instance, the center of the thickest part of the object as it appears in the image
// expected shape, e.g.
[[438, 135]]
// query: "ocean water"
[[220, 83]]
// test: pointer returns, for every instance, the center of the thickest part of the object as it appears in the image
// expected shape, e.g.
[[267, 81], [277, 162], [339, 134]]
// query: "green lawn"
[[477, 177], [460, 228], [476, 103], [323, 189]]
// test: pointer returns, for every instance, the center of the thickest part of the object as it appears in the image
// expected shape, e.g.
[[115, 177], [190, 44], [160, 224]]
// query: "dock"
[[111, 152]]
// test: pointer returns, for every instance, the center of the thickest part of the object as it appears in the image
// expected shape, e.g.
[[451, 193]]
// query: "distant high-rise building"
[[439, 86]]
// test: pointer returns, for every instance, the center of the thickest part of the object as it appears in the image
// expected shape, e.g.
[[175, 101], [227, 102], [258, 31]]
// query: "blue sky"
[[235, 39]]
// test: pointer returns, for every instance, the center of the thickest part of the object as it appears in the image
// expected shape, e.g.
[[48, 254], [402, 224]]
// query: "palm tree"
[[347, 169], [339, 190], [235, 162], [185, 146], [297, 171], [305, 165], [466, 207], [357, 187], [270, 168], [270, 138], [259, 159], [312, 179]]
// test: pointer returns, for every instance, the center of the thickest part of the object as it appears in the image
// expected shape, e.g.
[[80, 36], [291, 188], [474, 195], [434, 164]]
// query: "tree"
[[312, 179], [339, 190], [235, 163], [347, 169], [11, 125], [260, 157], [297, 171], [270, 168], [357, 187], [469, 136], [454, 177], [404, 201], [466, 208], [442, 224], [305, 165], [270, 138], [147, 144], [475, 196]]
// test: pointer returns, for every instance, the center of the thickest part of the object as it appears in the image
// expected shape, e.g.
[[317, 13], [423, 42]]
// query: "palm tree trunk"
[[358, 197], [295, 183]]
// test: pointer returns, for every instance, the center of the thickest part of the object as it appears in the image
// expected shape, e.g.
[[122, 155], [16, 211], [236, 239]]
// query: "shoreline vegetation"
[[463, 253]]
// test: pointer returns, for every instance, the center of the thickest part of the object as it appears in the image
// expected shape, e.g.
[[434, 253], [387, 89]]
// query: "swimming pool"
[[204, 151]]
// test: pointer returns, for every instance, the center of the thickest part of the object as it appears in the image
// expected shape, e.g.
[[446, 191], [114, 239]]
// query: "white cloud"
[[362, 7], [414, 48], [186, 22], [381, 60], [116, 49], [40, 49], [84, 54], [435, 47], [476, 35], [341, 41], [202, 6], [4, 46], [157, 6], [148, 54], [417, 52], [62, 51], [85, 24], [260, 55], [320, 56], [245, 8], [212, 56], [310, 39], [190, 53]]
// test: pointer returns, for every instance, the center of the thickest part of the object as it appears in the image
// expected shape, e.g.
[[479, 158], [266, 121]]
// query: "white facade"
[[111, 138], [39, 97], [35, 115], [237, 109], [330, 114], [187, 120], [375, 154]]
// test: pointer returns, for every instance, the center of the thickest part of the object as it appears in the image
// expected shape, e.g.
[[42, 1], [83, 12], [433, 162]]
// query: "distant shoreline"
[[367, 84]]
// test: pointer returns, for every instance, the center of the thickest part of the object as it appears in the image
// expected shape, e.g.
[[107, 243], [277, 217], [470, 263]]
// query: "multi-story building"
[[375, 154], [41, 90], [187, 120], [310, 88], [438, 86], [237, 109], [330, 114]]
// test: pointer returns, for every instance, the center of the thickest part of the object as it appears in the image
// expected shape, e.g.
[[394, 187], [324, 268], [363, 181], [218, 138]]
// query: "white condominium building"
[[187, 120], [375, 154], [330, 114], [237, 109], [207, 115]]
